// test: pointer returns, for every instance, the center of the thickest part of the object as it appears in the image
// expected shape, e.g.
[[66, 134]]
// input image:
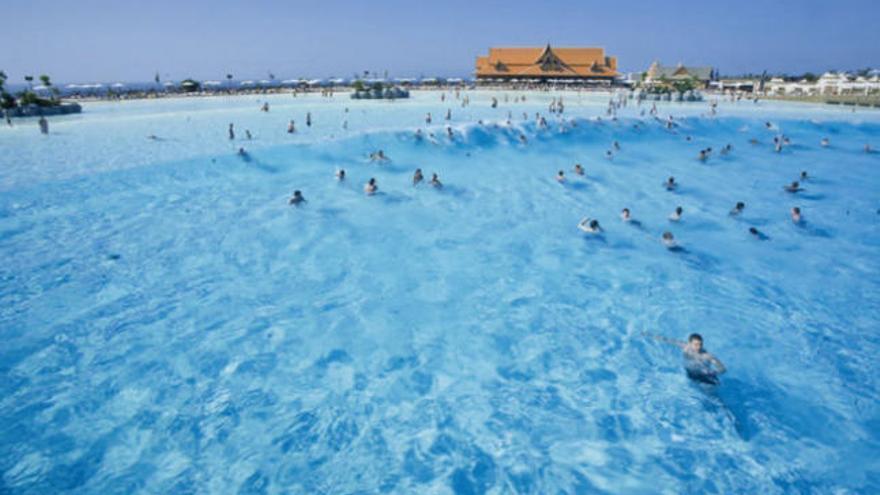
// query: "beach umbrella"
[[119, 85], [167, 84], [338, 80], [211, 83], [315, 82], [289, 81], [265, 81], [40, 88], [247, 83]]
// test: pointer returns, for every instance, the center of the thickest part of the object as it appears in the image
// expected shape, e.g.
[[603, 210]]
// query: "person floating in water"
[[676, 215], [737, 208], [868, 148], [669, 240], [578, 169], [803, 175], [560, 177], [758, 234], [590, 226], [435, 181], [670, 184], [418, 177], [796, 215], [291, 127], [231, 132], [297, 198], [340, 174], [699, 364], [370, 187], [825, 143], [625, 215], [265, 107], [794, 187]]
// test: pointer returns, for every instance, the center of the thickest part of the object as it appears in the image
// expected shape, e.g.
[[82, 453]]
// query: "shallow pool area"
[[172, 325]]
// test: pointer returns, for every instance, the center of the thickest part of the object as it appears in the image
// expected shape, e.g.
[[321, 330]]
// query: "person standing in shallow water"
[[44, 125], [231, 132]]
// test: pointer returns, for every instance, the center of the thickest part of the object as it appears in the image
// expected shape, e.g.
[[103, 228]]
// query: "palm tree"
[[30, 80], [2, 80], [229, 79], [48, 84]]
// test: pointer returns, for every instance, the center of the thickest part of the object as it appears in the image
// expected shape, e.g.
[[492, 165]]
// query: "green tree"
[[30, 80]]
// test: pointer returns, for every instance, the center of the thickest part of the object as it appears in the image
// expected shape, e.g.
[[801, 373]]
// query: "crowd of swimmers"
[[587, 225]]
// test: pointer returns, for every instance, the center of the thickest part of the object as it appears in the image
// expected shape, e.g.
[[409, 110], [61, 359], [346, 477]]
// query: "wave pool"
[[172, 325]]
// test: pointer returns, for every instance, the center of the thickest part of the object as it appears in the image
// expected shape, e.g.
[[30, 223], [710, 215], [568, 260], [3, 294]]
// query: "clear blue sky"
[[98, 40]]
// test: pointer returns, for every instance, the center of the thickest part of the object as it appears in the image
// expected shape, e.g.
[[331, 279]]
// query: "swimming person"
[[794, 187], [669, 240], [297, 198], [370, 187], [803, 175], [699, 364], [560, 177], [758, 234], [265, 107], [737, 209], [242, 152], [231, 132], [578, 169], [418, 177], [435, 181], [825, 142], [670, 184], [590, 226], [247, 134], [340, 174], [625, 215], [796, 215], [676, 215], [308, 119], [428, 118], [291, 127]]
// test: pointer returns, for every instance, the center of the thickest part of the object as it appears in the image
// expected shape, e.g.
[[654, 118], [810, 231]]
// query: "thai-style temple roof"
[[539, 62], [680, 71]]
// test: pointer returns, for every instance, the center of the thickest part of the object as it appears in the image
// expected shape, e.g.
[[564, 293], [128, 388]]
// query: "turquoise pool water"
[[172, 325]]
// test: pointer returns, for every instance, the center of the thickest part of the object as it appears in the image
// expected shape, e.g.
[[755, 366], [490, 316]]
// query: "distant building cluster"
[[829, 84]]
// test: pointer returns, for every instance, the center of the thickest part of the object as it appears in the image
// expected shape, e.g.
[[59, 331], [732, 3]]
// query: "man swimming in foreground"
[[699, 364]]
